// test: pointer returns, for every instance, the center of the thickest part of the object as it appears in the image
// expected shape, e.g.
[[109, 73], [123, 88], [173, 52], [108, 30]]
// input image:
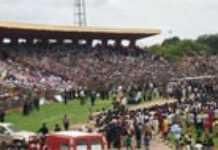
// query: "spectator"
[[44, 129], [57, 128], [65, 97], [82, 97], [66, 122], [208, 142], [138, 133], [128, 142], [147, 137], [2, 115], [176, 130], [26, 108], [93, 98], [188, 141], [36, 103]]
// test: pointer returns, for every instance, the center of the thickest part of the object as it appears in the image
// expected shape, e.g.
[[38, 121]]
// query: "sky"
[[183, 18]]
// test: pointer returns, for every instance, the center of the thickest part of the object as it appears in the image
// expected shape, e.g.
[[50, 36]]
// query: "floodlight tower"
[[80, 13]]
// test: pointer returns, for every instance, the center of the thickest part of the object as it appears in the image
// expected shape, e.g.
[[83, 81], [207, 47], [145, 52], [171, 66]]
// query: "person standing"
[[188, 141], [178, 94], [36, 103], [128, 142], [82, 97], [66, 122], [147, 137], [208, 142], [25, 108], [57, 128], [138, 134], [65, 97], [176, 131], [93, 98], [2, 115], [44, 129]]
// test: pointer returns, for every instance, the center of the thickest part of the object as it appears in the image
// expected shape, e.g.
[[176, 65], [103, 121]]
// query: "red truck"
[[71, 140]]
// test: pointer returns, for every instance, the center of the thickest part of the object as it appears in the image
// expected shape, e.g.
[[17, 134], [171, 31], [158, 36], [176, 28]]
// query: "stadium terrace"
[[37, 33]]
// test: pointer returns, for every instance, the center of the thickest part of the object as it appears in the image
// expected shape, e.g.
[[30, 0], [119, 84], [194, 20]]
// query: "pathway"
[[157, 144], [152, 103]]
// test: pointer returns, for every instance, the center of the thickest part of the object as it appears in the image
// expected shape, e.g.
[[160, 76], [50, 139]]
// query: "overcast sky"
[[185, 18]]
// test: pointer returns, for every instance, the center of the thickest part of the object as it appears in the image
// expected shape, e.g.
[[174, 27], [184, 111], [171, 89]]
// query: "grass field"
[[54, 113]]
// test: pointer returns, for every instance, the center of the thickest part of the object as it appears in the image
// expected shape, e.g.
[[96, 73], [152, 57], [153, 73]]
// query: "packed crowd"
[[191, 122], [27, 70], [92, 67], [69, 67], [96, 71], [197, 66], [25, 76]]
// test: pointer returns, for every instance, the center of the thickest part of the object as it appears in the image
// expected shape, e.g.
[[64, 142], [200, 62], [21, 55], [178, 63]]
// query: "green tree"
[[176, 48], [211, 41]]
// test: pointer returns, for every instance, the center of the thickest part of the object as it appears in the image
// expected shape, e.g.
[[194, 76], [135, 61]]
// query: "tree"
[[170, 41], [211, 41]]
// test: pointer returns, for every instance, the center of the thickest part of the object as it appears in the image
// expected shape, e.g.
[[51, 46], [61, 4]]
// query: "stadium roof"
[[27, 30]]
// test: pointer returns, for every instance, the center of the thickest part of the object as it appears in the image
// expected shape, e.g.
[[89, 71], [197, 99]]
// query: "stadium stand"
[[35, 57]]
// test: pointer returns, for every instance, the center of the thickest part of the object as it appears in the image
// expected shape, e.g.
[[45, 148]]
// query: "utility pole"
[[80, 13]]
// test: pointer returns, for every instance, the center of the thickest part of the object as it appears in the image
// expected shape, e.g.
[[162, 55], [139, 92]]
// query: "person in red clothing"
[[207, 124], [211, 119], [161, 124]]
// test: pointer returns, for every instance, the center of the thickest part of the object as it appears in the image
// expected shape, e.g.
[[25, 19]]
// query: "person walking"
[[128, 142], [147, 137]]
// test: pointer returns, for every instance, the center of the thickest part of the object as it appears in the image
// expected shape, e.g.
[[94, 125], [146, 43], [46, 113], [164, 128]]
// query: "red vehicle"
[[71, 140]]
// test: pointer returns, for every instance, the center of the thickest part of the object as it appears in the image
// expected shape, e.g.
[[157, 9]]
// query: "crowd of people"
[[61, 68], [90, 67], [191, 122], [68, 68], [25, 76], [28, 73]]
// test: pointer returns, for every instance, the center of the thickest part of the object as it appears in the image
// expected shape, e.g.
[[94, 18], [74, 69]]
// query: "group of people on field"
[[190, 122], [44, 129]]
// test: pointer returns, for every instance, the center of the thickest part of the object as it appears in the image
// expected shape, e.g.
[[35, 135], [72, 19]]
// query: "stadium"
[[80, 87]]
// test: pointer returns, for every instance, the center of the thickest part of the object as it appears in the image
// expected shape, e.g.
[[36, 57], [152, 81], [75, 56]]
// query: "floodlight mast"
[[80, 13]]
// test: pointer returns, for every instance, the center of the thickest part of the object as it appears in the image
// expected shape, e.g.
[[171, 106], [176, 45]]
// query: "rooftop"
[[22, 29]]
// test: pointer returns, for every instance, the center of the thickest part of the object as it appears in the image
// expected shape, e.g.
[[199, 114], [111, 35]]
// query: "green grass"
[[54, 113], [216, 142]]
